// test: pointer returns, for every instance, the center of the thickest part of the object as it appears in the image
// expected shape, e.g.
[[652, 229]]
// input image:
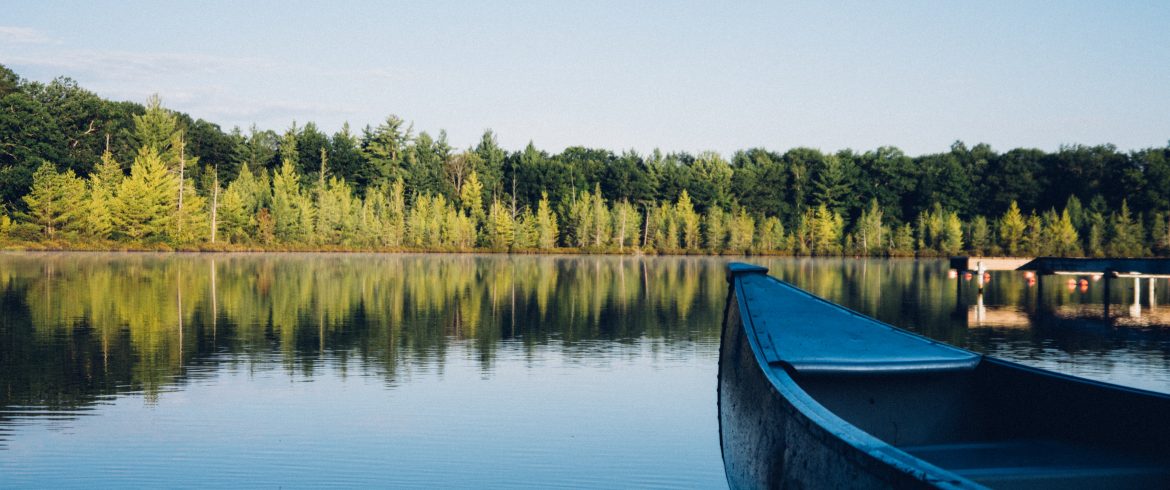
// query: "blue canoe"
[[813, 395]]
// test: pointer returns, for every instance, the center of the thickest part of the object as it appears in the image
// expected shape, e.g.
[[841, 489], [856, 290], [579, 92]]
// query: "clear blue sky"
[[631, 75]]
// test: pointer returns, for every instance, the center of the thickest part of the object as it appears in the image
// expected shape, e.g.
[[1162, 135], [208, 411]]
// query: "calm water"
[[450, 370]]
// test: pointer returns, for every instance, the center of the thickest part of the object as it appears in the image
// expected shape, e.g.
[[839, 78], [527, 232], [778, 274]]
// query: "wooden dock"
[[1113, 267]]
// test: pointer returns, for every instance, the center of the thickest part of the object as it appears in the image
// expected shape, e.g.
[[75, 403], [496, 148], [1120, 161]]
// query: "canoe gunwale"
[[883, 461]]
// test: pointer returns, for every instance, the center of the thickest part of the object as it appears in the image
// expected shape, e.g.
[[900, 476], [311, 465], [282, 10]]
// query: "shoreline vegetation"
[[78, 172]]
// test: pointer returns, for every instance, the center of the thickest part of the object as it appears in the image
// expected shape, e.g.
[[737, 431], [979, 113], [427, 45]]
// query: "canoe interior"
[[997, 424], [1005, 426]]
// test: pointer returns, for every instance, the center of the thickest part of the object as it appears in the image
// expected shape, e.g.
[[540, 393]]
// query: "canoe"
[[813, 395]]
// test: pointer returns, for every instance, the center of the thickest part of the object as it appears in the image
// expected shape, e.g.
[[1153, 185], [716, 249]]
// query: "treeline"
[[79, 171]]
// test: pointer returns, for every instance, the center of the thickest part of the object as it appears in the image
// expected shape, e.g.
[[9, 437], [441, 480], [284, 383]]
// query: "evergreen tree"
[[626, 225], [742, 232], [471, 196], [825, 231], [952, 234], [500, 226], [234, 221], [1063, 235], [190, 224], [716, 226], [869, 229], [103, 183], [980, 236], [688, 222], [602, 222], [902, 243], [158, 129], [288, 205], [772, 235], [1033, 243], [546, 224], [55, 201], [1096, 241], [1126, 237], [1160, 233], [1011, 229], [145, 201]]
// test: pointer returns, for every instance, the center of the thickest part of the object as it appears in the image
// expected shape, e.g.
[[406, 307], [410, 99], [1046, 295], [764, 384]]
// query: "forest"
[[81, 172]]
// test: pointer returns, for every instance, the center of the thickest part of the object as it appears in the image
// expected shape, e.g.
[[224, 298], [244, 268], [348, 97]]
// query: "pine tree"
[[826, 230], [1126, 236], [190, 223], [55, 201], [627, 225], [158, 129], [980, 235], [772, 235], [742, 232], [145, 201], [1033, 243], [602, 222], [234, 221], [902, 243], [500, 226], [546, 224], [688, 222], [471, 197], [1063, 236], [869, 229], [1011, 229], [716, 225], [288, 211], [103, 182], [952, 234]]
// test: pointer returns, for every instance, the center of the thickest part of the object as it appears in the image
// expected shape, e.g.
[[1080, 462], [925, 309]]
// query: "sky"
[[631, 75]]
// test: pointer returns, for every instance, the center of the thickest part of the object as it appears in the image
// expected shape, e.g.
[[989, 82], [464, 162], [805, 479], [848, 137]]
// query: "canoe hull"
[[994, 423], [769, 442]]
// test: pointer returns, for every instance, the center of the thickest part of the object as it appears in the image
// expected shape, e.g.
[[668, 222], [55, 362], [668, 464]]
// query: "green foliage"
[[546, 224], [55, 201], [952, 234], [688, 222], [501, 227], [980, 236], [825, 228], [144, 203], [291, 208], [742, 232], [1011, 229], [869, 230], [772, 237], [715, 224], [1062, 235], [1126, 234], [582, 197], [627, 224], [471, 197]]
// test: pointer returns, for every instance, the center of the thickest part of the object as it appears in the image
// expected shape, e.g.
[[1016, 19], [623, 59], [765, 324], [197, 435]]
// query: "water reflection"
[[523, 367], [78, 327]]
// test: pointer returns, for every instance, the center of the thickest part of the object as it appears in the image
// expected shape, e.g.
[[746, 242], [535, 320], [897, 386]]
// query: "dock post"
[[1153, 297], [1135, 310], [979, 271], [1107, 278]]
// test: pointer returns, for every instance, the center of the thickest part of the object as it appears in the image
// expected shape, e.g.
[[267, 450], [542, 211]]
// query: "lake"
[[311, 370]]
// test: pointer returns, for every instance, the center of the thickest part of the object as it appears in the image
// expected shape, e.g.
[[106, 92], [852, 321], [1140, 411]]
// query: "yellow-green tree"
[[103, 183], [145, 201], [55, 202], [500, 226], [688, 221], [546, 224], [1011, 229]]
